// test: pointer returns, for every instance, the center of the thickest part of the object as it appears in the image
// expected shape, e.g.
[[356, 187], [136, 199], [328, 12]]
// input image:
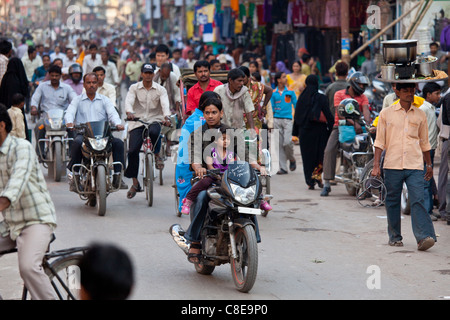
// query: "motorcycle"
[[93, 181], [56, 140], [354, 158], [229, 230]]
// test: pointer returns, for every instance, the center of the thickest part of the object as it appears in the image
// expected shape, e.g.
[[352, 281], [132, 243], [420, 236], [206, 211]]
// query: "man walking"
[[403, 132]]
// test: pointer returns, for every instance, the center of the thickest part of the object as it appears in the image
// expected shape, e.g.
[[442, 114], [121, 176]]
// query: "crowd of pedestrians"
[[85, 77]]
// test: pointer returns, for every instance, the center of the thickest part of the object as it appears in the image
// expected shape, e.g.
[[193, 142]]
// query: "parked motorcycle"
[[56, 141], [229, 230], [94, 179]]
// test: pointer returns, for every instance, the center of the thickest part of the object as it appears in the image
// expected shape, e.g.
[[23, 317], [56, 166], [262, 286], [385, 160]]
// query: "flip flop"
[[194, 257], [133, 190]]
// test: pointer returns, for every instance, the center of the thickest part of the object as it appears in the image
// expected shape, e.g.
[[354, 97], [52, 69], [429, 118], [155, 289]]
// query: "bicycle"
[[61, 268], [149, 159]]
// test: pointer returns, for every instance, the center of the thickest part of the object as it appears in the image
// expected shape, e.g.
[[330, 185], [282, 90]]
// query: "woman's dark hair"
[[210, 98], [4, 117], [235, 73], [257, 76], [298, 62], [106, 272], [201, 63], [256, 64]]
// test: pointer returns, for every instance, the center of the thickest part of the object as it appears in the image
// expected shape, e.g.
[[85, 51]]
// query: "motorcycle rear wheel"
[[245, 267], [100, 190]]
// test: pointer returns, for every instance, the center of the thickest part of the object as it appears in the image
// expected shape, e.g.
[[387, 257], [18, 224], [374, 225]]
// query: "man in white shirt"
[[92, 60], [68, 60], [432, 94], [148, 101], [57, 54], [31, 62], [111, 74]]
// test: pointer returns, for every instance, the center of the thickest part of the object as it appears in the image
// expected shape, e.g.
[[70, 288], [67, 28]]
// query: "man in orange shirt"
[[205, 83], [402, 132]]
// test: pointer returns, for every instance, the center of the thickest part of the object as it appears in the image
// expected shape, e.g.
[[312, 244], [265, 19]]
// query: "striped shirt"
[[22, 182]]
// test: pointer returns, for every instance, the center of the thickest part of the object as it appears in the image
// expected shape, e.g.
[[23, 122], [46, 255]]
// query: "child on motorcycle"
[[212, 113], [219, 158]]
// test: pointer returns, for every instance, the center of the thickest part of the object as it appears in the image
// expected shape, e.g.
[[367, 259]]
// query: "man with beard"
[[50, 95], [75, 80], [205, 83]]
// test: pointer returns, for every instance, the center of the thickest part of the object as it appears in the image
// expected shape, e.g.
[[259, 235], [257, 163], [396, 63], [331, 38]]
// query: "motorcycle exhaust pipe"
[[177, 233]]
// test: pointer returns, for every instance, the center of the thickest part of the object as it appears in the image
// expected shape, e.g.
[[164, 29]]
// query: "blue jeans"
[[422, 225], [429, 187]]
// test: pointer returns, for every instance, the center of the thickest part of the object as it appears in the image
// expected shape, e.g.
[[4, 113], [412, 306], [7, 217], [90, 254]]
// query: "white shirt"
[[149, 105], [433, 130], [89, 64], [30, 66]]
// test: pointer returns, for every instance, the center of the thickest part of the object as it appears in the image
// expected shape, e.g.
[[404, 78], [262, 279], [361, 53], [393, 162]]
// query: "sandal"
[[194, 257], [396, 243], [133, 190]]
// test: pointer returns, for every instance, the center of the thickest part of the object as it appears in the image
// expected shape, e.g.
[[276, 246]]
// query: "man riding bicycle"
[[149, 102]]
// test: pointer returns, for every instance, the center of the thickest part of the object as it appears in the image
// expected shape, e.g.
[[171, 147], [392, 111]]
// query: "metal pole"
[[345, 27]]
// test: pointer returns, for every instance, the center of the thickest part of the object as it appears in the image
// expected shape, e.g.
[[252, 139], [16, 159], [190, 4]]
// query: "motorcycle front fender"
[[242, 222]]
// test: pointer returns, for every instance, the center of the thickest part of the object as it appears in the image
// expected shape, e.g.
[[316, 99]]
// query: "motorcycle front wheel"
[[58, 164], [245, 267], [100, 190]]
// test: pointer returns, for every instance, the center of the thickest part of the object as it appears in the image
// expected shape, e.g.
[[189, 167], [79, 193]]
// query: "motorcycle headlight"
[[98, 144], [243, 195], [55, 123]]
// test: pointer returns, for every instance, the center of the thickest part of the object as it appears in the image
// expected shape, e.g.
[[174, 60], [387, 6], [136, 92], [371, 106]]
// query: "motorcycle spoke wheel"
[[245, 267]]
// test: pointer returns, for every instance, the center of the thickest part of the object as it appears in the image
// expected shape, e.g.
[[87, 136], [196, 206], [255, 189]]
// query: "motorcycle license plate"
[[249, 210]]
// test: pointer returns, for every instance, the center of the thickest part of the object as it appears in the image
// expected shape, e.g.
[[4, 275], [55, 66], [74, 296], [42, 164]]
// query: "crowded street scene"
[[292, 149]]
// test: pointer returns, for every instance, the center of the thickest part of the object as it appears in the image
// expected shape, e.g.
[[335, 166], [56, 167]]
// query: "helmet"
[[349, 108], [373, 193], [75, 68], [355, 80]]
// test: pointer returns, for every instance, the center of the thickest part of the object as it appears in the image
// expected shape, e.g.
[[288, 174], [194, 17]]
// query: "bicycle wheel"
[[148, 179], [64, 275]]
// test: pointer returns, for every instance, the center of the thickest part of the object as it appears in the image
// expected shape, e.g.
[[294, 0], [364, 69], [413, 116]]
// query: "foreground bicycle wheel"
[[64, 275]]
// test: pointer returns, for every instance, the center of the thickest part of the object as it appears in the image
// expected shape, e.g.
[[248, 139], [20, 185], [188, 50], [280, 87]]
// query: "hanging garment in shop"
[[299, 13], [280, 11], [332, 13]]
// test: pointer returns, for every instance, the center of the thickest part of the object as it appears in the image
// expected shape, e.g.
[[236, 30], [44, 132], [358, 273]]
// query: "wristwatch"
[[429, 166]]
